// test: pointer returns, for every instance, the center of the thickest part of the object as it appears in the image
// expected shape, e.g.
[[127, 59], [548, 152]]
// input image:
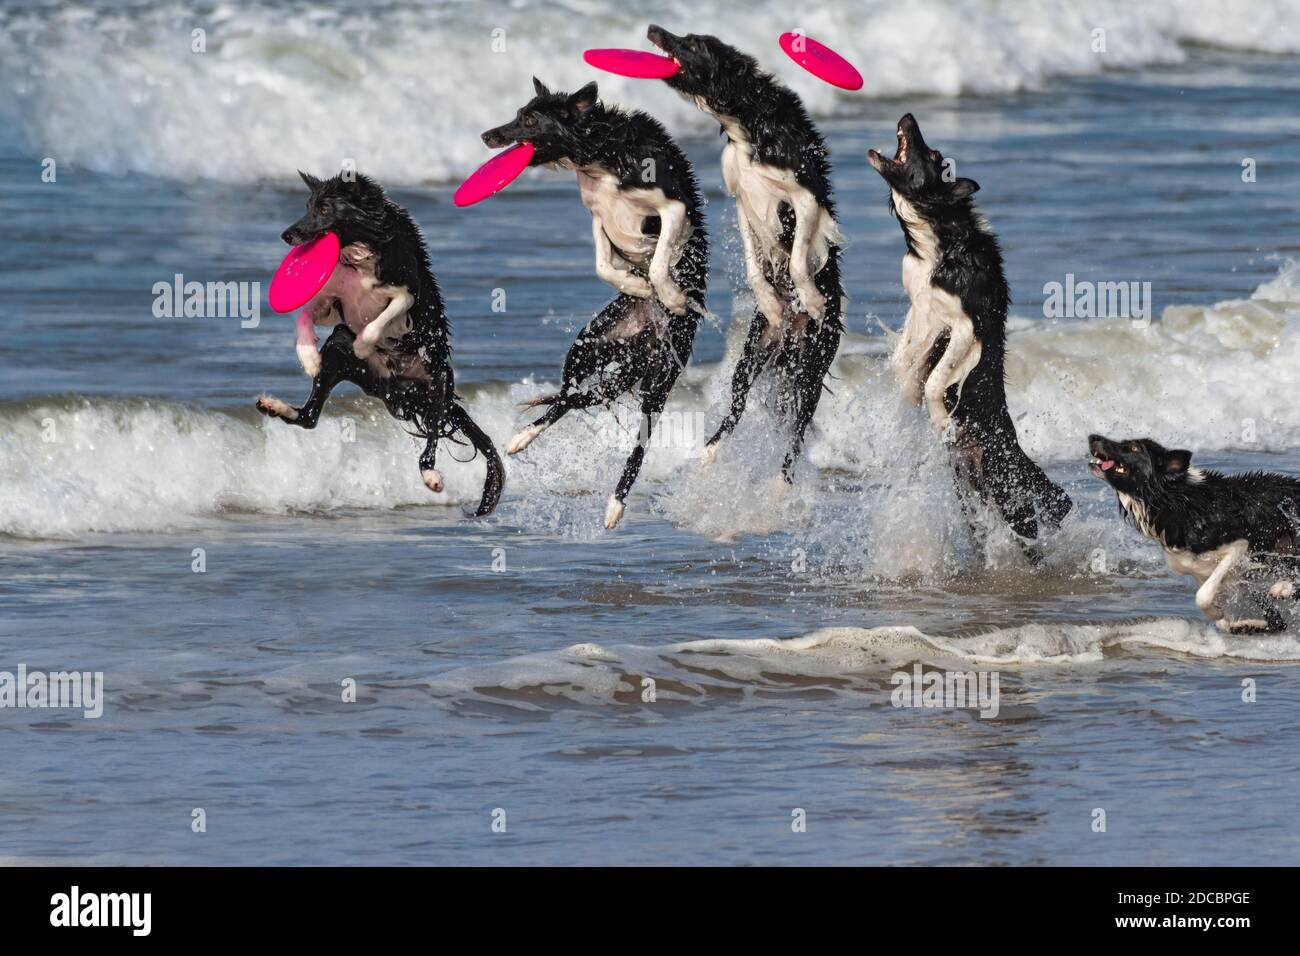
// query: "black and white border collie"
[[1210, 525], [650, 244], [951, 351], [776, 166], [390, 328]]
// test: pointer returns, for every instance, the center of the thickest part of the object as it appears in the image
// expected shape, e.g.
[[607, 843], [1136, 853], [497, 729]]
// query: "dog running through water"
[[1211, 526]]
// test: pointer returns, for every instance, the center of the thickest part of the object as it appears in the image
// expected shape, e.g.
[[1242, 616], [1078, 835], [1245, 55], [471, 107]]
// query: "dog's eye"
[[530, 121]]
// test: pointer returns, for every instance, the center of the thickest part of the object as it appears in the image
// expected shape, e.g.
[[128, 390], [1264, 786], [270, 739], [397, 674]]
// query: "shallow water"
[[500, 663]]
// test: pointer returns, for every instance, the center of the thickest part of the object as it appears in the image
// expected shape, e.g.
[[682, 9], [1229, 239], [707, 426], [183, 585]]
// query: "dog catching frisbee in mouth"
[[390, 333], [648, 230]]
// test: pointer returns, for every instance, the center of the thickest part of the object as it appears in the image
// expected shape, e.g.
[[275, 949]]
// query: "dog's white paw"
[[1249, 626], [524, 438], [672, 297], [363, 347], [769, 303], [273, 406], [1282, 591], [432, 479], [811, 302], [309, 359], [635, 285], [613, 513], [710, 453]]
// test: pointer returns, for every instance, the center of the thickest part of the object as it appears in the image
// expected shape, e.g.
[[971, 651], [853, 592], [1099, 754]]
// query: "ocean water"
[[500, 665]]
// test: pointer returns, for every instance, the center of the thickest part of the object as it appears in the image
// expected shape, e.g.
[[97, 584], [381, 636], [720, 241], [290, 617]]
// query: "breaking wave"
[[1203, 377], [404, 89]]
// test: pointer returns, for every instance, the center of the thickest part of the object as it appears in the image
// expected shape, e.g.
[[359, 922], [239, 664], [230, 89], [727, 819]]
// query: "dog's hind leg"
[[587, 379], [338, 364], [752, 361]]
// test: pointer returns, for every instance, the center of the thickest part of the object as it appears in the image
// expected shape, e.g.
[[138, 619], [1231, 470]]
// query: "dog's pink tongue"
[[1107, 465]]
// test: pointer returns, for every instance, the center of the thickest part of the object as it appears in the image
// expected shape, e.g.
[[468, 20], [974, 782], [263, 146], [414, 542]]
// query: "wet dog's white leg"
[[1208, 593], [769, 303], [624, 280], [961, 355], [613, 513], [306, 343], [524, 438], [672, 225], [807, 220], [399, 302]]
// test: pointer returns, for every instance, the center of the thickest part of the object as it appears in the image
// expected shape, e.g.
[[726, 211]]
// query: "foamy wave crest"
[[405, 89], [842, 661], [1204, 377]]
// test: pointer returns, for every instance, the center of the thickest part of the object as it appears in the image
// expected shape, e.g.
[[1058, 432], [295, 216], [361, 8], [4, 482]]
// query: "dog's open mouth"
[[878, 160], [662, 45], [1099, 466]]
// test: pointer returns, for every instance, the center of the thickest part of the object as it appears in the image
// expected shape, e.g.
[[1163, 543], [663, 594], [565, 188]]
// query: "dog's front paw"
[[770, 304], [276, 408], [635, 285], [710, 453], [524, 438], [363, 346], [432, 479], [309, 359], [672, 297], [811, 302], [1282, 591], [613, 513]]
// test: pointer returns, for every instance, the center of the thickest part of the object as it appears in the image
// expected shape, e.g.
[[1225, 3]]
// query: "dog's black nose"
[[1093, 439], [287, 236]]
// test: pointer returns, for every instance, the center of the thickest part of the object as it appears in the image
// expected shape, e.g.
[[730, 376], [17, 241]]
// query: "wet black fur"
[[358, 210], [1200, 510], [970, 266], [782, 135], [578, 129]]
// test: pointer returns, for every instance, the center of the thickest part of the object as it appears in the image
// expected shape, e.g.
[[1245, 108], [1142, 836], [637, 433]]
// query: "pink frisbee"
[[635, 63], [303, 273], [821, 61], [494, 175]]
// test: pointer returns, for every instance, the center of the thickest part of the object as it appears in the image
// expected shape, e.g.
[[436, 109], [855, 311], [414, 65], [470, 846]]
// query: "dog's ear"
[[1177, 461], [312, 182], [964, 187], [582, 101], [540, 87]]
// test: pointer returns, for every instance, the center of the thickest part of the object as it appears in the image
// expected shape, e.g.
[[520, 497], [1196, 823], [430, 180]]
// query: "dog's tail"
[[458, 420]]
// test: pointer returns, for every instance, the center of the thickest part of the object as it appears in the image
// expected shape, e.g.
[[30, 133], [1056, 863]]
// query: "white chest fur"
[[622, 213], [933, 312], [760, 190]]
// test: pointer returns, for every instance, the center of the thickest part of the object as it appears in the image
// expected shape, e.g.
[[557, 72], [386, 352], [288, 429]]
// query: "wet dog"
[[776, 165], [1210, 525], [390, 328], [950, 354], [650, 244]]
